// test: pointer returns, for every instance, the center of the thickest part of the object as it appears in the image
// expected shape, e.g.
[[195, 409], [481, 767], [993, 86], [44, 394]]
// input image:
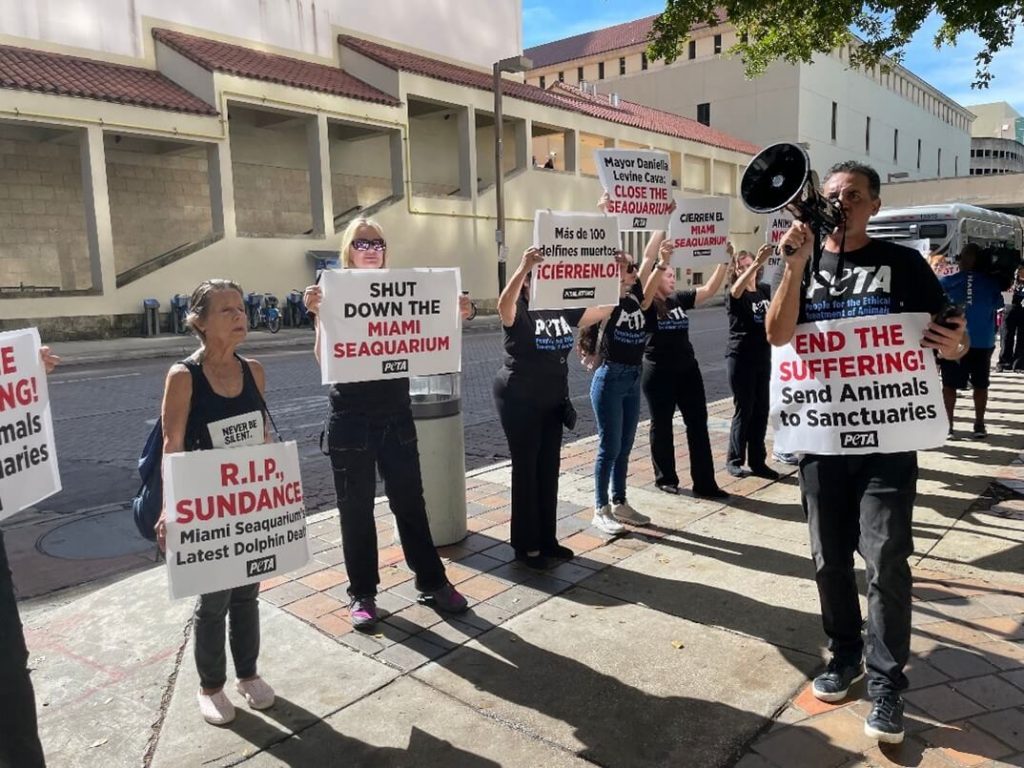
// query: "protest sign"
[[235, 516], [579, 268], [639, 186], [699, 232], [28, 454], [389, 323], [776, 225], [858, 385]]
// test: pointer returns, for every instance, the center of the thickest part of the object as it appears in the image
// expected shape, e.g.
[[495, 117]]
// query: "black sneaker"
[[835, 681], [735, 470], [885, 722], [764, 471], [713, 492], [558, 552], [979, 431]]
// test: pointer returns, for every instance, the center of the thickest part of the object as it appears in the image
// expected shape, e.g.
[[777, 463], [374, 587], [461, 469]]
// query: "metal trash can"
[[150, 317], [437, 412]]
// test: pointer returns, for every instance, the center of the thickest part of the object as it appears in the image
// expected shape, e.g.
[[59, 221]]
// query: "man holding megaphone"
[[861, 502]]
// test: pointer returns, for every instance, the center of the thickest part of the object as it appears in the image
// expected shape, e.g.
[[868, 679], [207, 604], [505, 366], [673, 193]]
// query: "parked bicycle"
[[263, 310]]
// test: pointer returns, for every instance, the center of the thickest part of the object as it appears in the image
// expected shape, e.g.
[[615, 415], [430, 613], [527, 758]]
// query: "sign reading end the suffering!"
[[859, 385], [389, 323], [639, 186], [235, 516], [579, 267], [28, 455], [699, 232]]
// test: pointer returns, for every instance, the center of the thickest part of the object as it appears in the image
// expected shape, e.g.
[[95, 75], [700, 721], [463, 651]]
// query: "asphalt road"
[[102, 414]]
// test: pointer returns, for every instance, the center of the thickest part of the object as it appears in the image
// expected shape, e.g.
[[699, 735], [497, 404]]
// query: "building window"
[[622, 65], [600, 70], [895, 145], [698, 278], [579, 74], [643, 60], [835, 118], [867, 136], [704, 113], [938, 163], [919, 154], [718, 43], [561, 77], [542, 81], [692, 52]]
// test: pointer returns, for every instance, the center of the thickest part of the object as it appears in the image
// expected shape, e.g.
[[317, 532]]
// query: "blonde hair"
[[350, 234], [199, 303]]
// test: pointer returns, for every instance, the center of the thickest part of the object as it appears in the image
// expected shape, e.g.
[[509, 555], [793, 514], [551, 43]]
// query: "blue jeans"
[[615, 395]]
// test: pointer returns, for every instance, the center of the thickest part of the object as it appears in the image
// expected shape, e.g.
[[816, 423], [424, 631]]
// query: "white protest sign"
[[234, 431], [579, 267], [28, 454], [776, 225], [859, 385], [235, 516], [639, 186], [699, 232], [389, 323]]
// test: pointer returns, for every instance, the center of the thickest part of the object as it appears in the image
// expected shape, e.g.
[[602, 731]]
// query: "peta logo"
[[639, 222], [394, 366], [261, 566], [579, 293], [858, 439]]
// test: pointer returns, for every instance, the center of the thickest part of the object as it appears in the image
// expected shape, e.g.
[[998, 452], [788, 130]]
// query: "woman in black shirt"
[[671, 379], [1011, 357], [748, 359], [370, 427], [531, 392]]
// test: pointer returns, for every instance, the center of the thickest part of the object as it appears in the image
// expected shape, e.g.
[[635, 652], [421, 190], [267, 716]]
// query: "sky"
[[951, 70]]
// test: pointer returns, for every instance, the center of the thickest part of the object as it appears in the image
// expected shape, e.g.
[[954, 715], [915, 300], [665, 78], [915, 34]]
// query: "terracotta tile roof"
[[559, 95], [597, 41], [25, 69], [215, 56]]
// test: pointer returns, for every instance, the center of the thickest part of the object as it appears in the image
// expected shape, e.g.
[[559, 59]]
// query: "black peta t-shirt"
[[625, 334], [539, 341], [746, 322], [669, 326], [882, 278]]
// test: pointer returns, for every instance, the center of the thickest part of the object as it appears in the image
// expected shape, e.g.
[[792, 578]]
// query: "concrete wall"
[[991, 118], [360, 172], [1002, 192], [468, 30], [434, 153], [42, 220], [991, 155]]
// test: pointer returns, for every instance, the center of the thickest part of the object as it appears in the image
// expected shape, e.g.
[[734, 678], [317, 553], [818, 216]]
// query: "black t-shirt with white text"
[[669, 327], [746, 323], [624, 335], [538, 342], [882, 278]]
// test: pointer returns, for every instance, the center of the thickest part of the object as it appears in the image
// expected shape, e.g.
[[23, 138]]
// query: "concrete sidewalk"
[[687, 643]]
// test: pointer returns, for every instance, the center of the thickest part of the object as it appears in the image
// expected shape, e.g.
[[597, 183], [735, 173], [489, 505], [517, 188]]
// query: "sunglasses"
[[376, 244]]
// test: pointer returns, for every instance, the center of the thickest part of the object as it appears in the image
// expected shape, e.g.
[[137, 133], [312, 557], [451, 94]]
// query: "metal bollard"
[[150, 317]]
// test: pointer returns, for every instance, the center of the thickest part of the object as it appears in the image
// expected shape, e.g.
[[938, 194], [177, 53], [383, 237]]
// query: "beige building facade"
[[884, 116], [126, 178]]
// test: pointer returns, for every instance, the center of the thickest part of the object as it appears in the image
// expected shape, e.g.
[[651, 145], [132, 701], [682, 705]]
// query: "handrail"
[[167, 257]]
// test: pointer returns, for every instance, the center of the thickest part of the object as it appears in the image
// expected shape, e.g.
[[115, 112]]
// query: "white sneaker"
[[216, 708], [256, 692], [604, 521], [626, 514]]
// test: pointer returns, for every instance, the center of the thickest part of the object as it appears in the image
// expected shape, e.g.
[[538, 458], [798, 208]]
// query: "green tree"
[[794, 30]]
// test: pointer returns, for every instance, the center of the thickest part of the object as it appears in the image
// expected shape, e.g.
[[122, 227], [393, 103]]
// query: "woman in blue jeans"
[[616, 350]]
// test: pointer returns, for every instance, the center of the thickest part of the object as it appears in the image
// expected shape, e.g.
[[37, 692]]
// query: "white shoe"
[[626, 514], [604, 521], [216, 708], [256, 692]]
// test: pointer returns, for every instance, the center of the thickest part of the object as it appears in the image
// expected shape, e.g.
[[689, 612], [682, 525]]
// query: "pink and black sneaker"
[[363, 612]]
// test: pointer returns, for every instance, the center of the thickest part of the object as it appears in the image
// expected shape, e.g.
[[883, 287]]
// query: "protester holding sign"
[[531, 391], [19, 731], [210, 399], [748, 360], [671, 375], [860, 502], [370, 426]]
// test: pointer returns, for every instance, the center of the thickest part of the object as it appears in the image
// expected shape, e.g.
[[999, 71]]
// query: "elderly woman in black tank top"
[[213, 385]]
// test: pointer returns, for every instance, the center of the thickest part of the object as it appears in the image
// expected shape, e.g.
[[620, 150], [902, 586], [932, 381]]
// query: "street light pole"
[[513, 64]]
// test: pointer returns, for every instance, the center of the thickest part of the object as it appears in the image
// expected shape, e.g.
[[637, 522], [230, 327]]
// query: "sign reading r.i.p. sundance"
[[235, 516], [859, 385], [389, 323], [579, 267]]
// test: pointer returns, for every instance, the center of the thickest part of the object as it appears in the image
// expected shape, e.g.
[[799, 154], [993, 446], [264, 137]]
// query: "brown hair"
[[350, 234], [199, 303]]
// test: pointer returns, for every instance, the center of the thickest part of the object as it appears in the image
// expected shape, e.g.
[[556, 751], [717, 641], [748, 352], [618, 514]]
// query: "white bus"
[[947, 228]]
